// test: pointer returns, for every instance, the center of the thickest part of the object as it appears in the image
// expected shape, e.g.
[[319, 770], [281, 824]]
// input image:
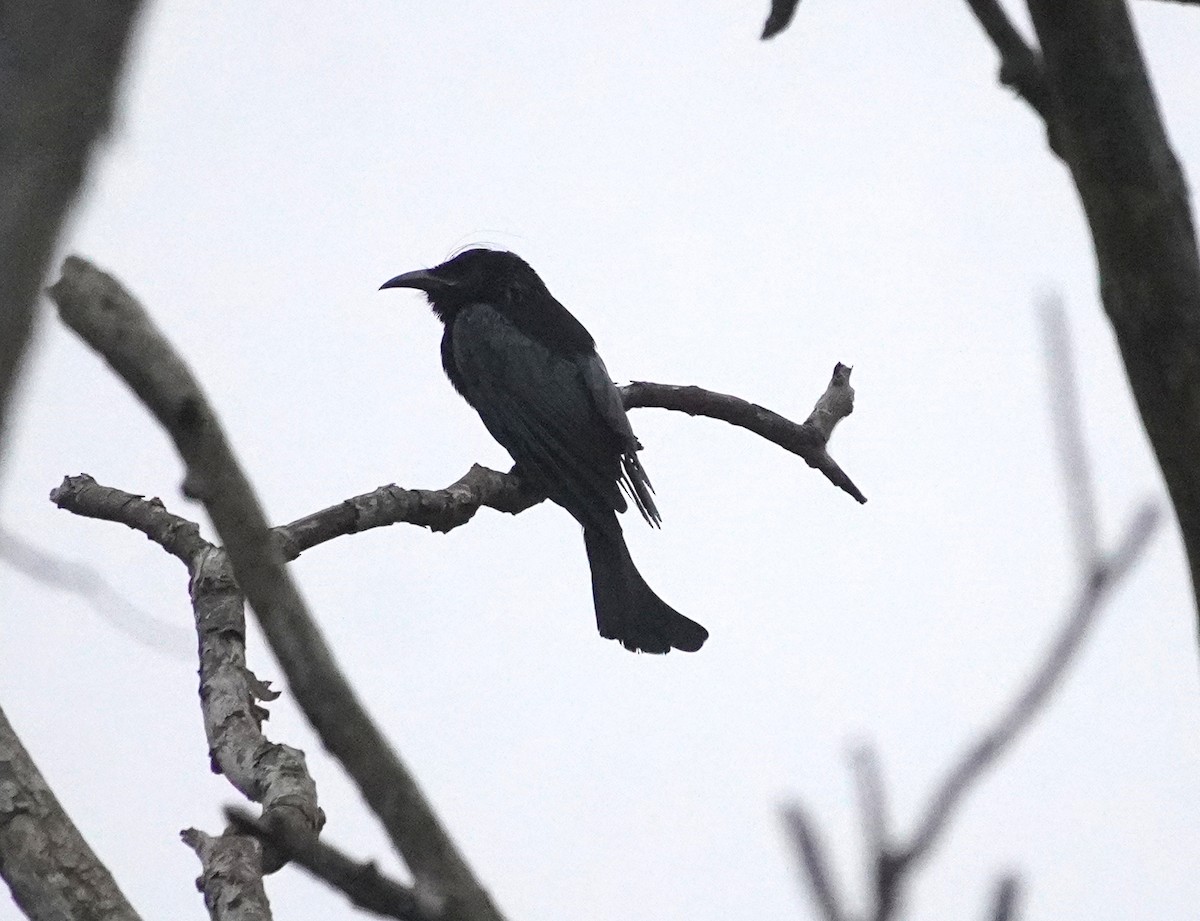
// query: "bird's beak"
[[422, 280]]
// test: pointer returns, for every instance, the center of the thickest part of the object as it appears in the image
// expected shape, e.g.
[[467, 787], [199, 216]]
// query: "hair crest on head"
[[472, 241]]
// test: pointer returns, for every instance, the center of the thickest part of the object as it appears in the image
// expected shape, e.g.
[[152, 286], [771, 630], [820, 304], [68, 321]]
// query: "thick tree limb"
[[59, 65], [362, 883], [49, 868], [231, 877], [1137, 206], [106, 316]]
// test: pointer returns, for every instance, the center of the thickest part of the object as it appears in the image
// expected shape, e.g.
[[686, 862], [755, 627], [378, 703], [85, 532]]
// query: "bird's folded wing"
[[538, 404]]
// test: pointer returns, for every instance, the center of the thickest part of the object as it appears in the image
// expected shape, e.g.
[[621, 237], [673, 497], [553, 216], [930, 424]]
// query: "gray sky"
[[719, 212]]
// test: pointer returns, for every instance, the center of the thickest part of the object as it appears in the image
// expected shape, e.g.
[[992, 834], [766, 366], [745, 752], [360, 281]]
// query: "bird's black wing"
[[607, 400], [539, 405]]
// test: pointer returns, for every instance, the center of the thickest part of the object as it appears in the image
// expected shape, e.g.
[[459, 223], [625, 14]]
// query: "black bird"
[[531, 371]]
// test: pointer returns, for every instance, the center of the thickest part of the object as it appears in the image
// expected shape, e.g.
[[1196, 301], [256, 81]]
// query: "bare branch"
[[883, 864], [268, 773], [440, 510], [362, 883], [446, 509], [53, 108], [265, 772], [1004, 902], [81, 580], [1068, 429], [1139, 212], [997, 740], [779, 18], [864, 762], [84, 496], [808, 440], [232, 876], [49, 868], [115, 325], [811, 858], [1021, 67], [892, 864]]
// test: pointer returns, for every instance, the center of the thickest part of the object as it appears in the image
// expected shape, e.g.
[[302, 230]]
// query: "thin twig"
[[52, 571], [892, 864], [864, 763], [997, 740], [811, 858], [1067, 421], [882, 863], [1005, 899]]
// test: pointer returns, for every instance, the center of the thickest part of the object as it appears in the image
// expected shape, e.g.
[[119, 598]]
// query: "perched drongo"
[[531, 371]]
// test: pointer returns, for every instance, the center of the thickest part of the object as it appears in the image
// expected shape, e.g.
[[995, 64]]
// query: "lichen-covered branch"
[[439, 510], [49, 868], [231, 875], [265, 772], [178, 536]]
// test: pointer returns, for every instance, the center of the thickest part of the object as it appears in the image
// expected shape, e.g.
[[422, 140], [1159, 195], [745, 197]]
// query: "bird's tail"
[[626, 607]]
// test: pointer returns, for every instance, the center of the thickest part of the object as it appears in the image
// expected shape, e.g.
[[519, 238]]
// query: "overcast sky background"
[[717, 211]]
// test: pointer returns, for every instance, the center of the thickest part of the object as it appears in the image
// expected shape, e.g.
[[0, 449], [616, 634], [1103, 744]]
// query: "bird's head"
[[475, 276]]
